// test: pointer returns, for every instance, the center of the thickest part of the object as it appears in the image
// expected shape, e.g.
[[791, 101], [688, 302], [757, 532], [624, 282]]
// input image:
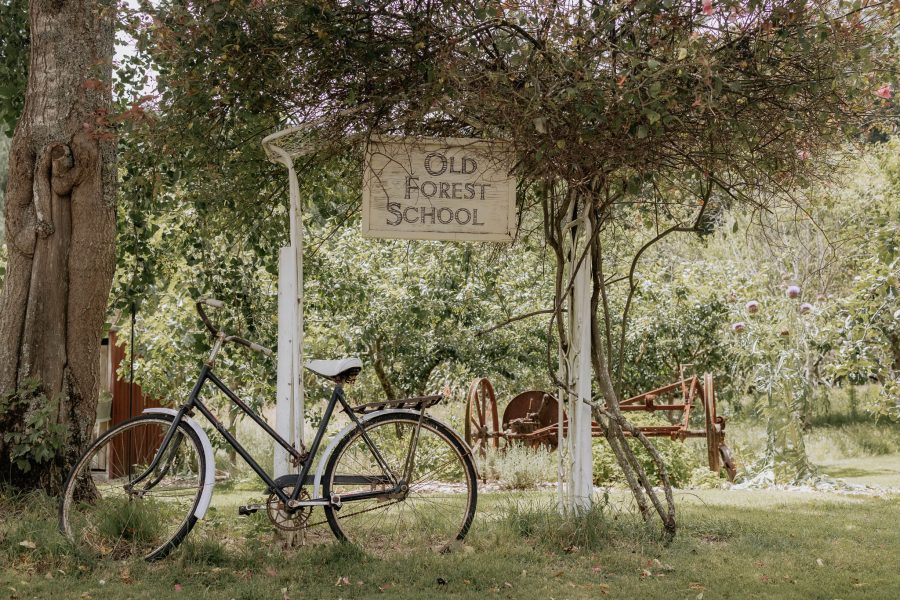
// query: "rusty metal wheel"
[[531, 411], [713, 438], [482, 422]]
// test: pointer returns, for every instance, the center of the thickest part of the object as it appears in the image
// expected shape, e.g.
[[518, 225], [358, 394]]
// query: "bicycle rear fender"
[[209, 477], [320, 469]]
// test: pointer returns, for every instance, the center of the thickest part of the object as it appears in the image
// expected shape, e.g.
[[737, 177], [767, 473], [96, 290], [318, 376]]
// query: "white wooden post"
[[284, 404], [576, 462], [289, 416], [581, 479]]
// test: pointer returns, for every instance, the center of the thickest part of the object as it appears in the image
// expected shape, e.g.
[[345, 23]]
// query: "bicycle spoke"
[[100, 514], [425, 514]]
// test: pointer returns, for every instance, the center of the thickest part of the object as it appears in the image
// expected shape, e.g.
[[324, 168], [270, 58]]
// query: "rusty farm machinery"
[[532, 418]]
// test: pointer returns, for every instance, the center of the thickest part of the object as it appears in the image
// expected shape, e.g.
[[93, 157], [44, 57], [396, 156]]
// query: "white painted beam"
[[581, 477], [286, 405]]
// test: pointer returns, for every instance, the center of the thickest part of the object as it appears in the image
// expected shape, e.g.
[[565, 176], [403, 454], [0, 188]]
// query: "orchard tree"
[[60, 237], [617, 112]]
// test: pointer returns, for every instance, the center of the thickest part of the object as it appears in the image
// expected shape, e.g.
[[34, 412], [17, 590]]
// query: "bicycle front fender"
[[320, 468], [209, 478]]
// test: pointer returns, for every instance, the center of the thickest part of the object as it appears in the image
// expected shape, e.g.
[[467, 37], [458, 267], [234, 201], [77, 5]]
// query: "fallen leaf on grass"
[[341, 581], [271, 572], [663, 566], [507, 584], [386, 586], [570, 549], [764, 579], [696, 586], [596, 568], [820, 562], [28, 544], [646, 573]]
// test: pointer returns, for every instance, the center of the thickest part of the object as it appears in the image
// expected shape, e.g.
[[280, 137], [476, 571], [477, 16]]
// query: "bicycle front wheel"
[[103, 513], [435, 508]]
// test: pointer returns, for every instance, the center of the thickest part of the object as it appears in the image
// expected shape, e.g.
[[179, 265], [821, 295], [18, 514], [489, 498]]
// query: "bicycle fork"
[[157, 458]]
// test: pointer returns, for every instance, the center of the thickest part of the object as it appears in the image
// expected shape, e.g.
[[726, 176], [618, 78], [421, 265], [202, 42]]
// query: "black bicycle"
[[394, 478]]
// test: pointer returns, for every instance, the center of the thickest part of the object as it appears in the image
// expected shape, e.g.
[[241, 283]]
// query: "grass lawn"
[[731, 544]]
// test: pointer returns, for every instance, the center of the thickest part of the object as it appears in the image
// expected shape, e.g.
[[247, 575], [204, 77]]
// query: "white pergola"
[[575, 466]]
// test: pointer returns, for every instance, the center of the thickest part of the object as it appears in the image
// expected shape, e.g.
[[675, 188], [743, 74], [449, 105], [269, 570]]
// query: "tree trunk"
[[60, 229]]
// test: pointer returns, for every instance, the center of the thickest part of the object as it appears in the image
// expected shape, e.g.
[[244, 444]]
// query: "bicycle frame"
[[291, 501]]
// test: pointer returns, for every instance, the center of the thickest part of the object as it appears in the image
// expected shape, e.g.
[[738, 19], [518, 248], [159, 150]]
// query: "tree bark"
[[60, 224]]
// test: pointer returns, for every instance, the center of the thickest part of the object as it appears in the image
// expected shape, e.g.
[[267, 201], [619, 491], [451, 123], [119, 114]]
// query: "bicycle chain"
[[359, 512]]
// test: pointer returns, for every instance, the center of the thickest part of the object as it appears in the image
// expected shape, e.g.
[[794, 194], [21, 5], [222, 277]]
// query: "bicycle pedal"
[[249, 509]]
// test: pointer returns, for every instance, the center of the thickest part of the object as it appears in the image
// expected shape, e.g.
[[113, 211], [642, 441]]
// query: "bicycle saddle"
[[335, 369]]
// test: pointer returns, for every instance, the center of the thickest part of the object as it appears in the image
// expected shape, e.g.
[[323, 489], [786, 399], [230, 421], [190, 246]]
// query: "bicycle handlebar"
[[215, 330], [209, 302], [252, 345]]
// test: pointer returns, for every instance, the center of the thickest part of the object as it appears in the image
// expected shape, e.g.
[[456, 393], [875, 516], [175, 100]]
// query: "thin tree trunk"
[[60, 223]]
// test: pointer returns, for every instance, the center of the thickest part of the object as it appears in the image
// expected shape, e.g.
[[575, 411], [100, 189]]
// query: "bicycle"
[[393, 477]]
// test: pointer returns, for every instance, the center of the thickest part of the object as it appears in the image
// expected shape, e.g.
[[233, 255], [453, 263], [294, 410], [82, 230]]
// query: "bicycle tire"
[[121, 528], [451, 486]]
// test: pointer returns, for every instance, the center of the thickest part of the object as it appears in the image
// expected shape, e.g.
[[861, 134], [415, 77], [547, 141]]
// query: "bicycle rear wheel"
[[438, 506], [100, 513]]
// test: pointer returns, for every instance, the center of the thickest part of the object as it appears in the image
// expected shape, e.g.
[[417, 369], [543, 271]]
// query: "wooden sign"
[[447, 189]]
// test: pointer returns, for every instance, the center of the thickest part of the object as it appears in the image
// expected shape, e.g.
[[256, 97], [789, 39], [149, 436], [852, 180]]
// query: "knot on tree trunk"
[[54, 176]]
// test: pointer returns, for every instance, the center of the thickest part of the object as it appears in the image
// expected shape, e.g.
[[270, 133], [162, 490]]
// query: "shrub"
[[520, 467], [678, 458]]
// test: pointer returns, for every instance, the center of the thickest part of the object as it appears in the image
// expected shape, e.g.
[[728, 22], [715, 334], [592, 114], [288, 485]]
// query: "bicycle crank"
[[284, 520]]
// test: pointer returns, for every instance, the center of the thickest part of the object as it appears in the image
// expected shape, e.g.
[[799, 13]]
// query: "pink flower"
[[707, 7], [753, 307], [793, 291], [805, 308], [884, 91], [738, 327]]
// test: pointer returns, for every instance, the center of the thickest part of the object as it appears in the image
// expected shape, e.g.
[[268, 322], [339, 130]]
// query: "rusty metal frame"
[[483, 429]]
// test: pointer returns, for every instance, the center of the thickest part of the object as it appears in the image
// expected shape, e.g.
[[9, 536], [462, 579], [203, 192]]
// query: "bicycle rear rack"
[[420, 403]]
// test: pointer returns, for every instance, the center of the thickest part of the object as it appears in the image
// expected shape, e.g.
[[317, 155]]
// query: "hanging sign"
[[447, 189]]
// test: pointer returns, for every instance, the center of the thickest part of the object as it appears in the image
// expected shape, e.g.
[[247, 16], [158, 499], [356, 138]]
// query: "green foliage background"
[[203, 213]]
